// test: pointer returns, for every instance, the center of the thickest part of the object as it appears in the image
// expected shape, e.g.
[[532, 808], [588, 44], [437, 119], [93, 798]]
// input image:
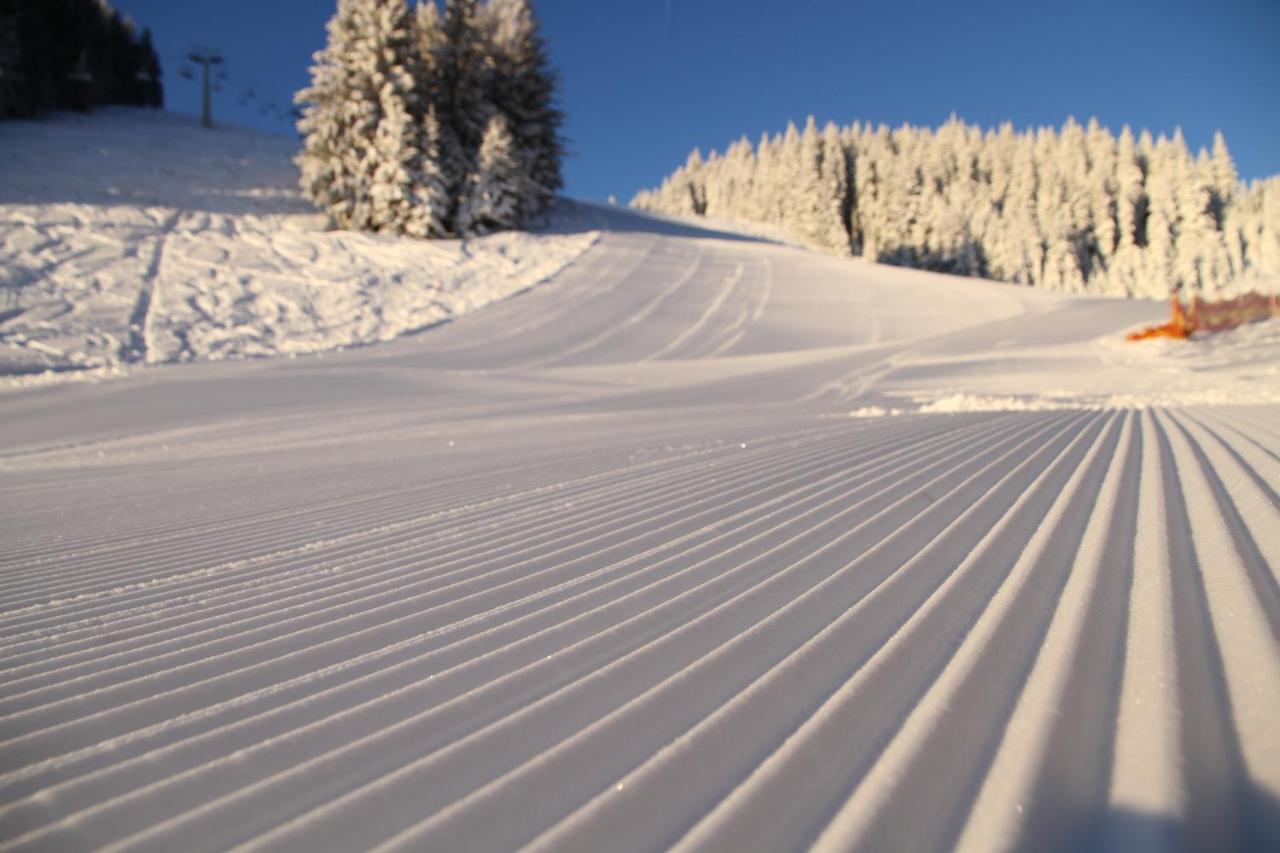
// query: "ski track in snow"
[[609, 565]]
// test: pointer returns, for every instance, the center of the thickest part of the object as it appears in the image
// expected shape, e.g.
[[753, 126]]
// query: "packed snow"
[[610, 565], [131, 236]]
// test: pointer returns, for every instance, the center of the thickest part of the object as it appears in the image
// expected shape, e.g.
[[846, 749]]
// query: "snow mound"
[[953, 403], [132, 236], [876, 412]]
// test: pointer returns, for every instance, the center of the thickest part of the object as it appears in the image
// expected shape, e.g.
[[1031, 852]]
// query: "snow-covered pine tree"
[[523, 88], [1160, 269], [695, 170], [1268, 253], [428, 32], [813, 209], [850, 139], [463, 68], [492, 196], [786, 171], [432, 190], [727, 194], [756, 205], [367, 64], [1222, 178], [797, 212], [682, 193], [903, 226], [949, 203], [1125, 266], [1059, 207], [1254, 225], [837, 183], [393, 154], [409, 195], [712, 175], [1101, 195], [995, 171], [873, 153], [451, 164], [1131, 200], [1201, 260], [1018, 256]]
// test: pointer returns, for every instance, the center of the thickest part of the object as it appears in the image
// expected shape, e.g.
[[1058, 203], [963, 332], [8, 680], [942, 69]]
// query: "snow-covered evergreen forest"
[[1078, 209], [73, 55], [431, 121]]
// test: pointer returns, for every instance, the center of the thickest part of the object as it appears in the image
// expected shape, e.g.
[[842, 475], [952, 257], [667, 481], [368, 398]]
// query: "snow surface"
[[133, 236], [609, 565]]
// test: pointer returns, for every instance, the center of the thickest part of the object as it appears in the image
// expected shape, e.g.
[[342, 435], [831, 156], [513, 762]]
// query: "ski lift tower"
[[206, 59]]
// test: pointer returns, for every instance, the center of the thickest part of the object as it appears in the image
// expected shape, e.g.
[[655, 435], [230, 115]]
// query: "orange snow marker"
[[1210, 316], [1180, 326]]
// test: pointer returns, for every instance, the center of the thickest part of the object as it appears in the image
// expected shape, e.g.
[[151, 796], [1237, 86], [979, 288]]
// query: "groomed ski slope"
[[707, 543]]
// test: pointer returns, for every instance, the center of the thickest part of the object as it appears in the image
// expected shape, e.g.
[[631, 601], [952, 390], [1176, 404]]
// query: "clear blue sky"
[[644, 81]]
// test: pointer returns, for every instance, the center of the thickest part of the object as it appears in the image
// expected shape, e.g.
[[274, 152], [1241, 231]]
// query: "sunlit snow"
[[701, 541]]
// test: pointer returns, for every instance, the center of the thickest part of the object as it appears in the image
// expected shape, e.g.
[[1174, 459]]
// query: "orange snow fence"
[[1210, 316]]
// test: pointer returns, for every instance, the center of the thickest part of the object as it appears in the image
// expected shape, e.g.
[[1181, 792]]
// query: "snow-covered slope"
[[609, 565], [130, 236]]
